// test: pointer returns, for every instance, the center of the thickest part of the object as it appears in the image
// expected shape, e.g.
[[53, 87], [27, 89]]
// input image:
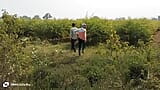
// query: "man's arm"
[[85, 36], [71, 33], [77, 32]]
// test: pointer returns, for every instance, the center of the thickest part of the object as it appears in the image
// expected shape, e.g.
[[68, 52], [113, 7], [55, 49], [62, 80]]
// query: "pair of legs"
[[81, 45], [73, 44]]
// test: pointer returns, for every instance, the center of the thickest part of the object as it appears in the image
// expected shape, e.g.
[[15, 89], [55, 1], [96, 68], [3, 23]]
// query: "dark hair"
[[73, 24]]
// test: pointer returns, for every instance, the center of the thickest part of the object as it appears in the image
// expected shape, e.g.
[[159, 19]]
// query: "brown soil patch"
[[156, 37]]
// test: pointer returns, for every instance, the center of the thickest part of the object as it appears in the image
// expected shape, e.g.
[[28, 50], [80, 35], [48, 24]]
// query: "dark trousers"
[[73, 44], [81, 45]]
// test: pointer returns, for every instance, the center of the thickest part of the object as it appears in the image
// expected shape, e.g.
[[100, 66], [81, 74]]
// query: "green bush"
[[133, 30], [98, 30]]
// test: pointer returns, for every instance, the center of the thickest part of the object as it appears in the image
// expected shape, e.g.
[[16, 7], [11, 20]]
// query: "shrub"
[[133, 30]]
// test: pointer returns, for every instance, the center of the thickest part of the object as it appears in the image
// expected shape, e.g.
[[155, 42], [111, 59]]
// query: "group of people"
[[80, 35]]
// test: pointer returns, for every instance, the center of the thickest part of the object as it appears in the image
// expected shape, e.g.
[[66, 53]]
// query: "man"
[[73, 36], [82, 38]]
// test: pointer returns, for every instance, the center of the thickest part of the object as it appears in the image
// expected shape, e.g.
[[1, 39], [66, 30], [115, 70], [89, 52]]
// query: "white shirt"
[[73, 32]]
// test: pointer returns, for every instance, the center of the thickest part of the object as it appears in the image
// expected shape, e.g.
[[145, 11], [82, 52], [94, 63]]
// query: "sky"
[[75, 9]]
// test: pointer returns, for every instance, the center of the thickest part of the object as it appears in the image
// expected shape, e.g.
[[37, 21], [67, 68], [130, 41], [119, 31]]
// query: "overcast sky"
[[79, 8]]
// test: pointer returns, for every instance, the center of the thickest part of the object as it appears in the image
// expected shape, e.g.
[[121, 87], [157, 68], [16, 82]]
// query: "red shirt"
[[82, 34]]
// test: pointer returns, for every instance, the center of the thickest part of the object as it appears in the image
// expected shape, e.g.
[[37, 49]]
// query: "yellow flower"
[[111, 35]]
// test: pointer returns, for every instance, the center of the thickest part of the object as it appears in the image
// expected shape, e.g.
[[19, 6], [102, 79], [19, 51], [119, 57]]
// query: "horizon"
[[75, 9]]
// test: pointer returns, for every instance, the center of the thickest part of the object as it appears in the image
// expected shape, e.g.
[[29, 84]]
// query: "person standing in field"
[[73, 36], [82, 38]]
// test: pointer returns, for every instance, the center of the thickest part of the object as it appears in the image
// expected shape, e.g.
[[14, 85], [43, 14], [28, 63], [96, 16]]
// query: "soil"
[[156, 37]]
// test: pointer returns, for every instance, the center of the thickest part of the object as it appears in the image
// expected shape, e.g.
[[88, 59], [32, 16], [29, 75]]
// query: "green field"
[[120, 54]]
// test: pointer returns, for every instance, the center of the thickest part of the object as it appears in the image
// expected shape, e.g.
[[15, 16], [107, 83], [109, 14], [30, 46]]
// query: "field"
[[120, 54]]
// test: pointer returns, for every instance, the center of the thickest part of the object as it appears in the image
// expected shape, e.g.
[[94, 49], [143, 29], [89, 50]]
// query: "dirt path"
[[157, 37]]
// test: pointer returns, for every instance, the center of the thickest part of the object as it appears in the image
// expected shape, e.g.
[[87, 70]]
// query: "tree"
[[4, 11], [47, 16], [25, 17], [36, 17], [96, 17]]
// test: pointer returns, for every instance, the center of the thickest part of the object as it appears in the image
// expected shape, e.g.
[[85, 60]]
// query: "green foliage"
[[95, 71], [12, 57], [98, 30], [136, 73], [114, 63], [133, 30]]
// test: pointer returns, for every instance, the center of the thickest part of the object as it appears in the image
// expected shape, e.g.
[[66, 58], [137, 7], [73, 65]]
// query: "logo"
[[6, 84]]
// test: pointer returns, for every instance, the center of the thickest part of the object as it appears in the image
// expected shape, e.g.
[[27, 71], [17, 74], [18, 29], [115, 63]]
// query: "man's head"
[[73, 24], [84, 25]]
